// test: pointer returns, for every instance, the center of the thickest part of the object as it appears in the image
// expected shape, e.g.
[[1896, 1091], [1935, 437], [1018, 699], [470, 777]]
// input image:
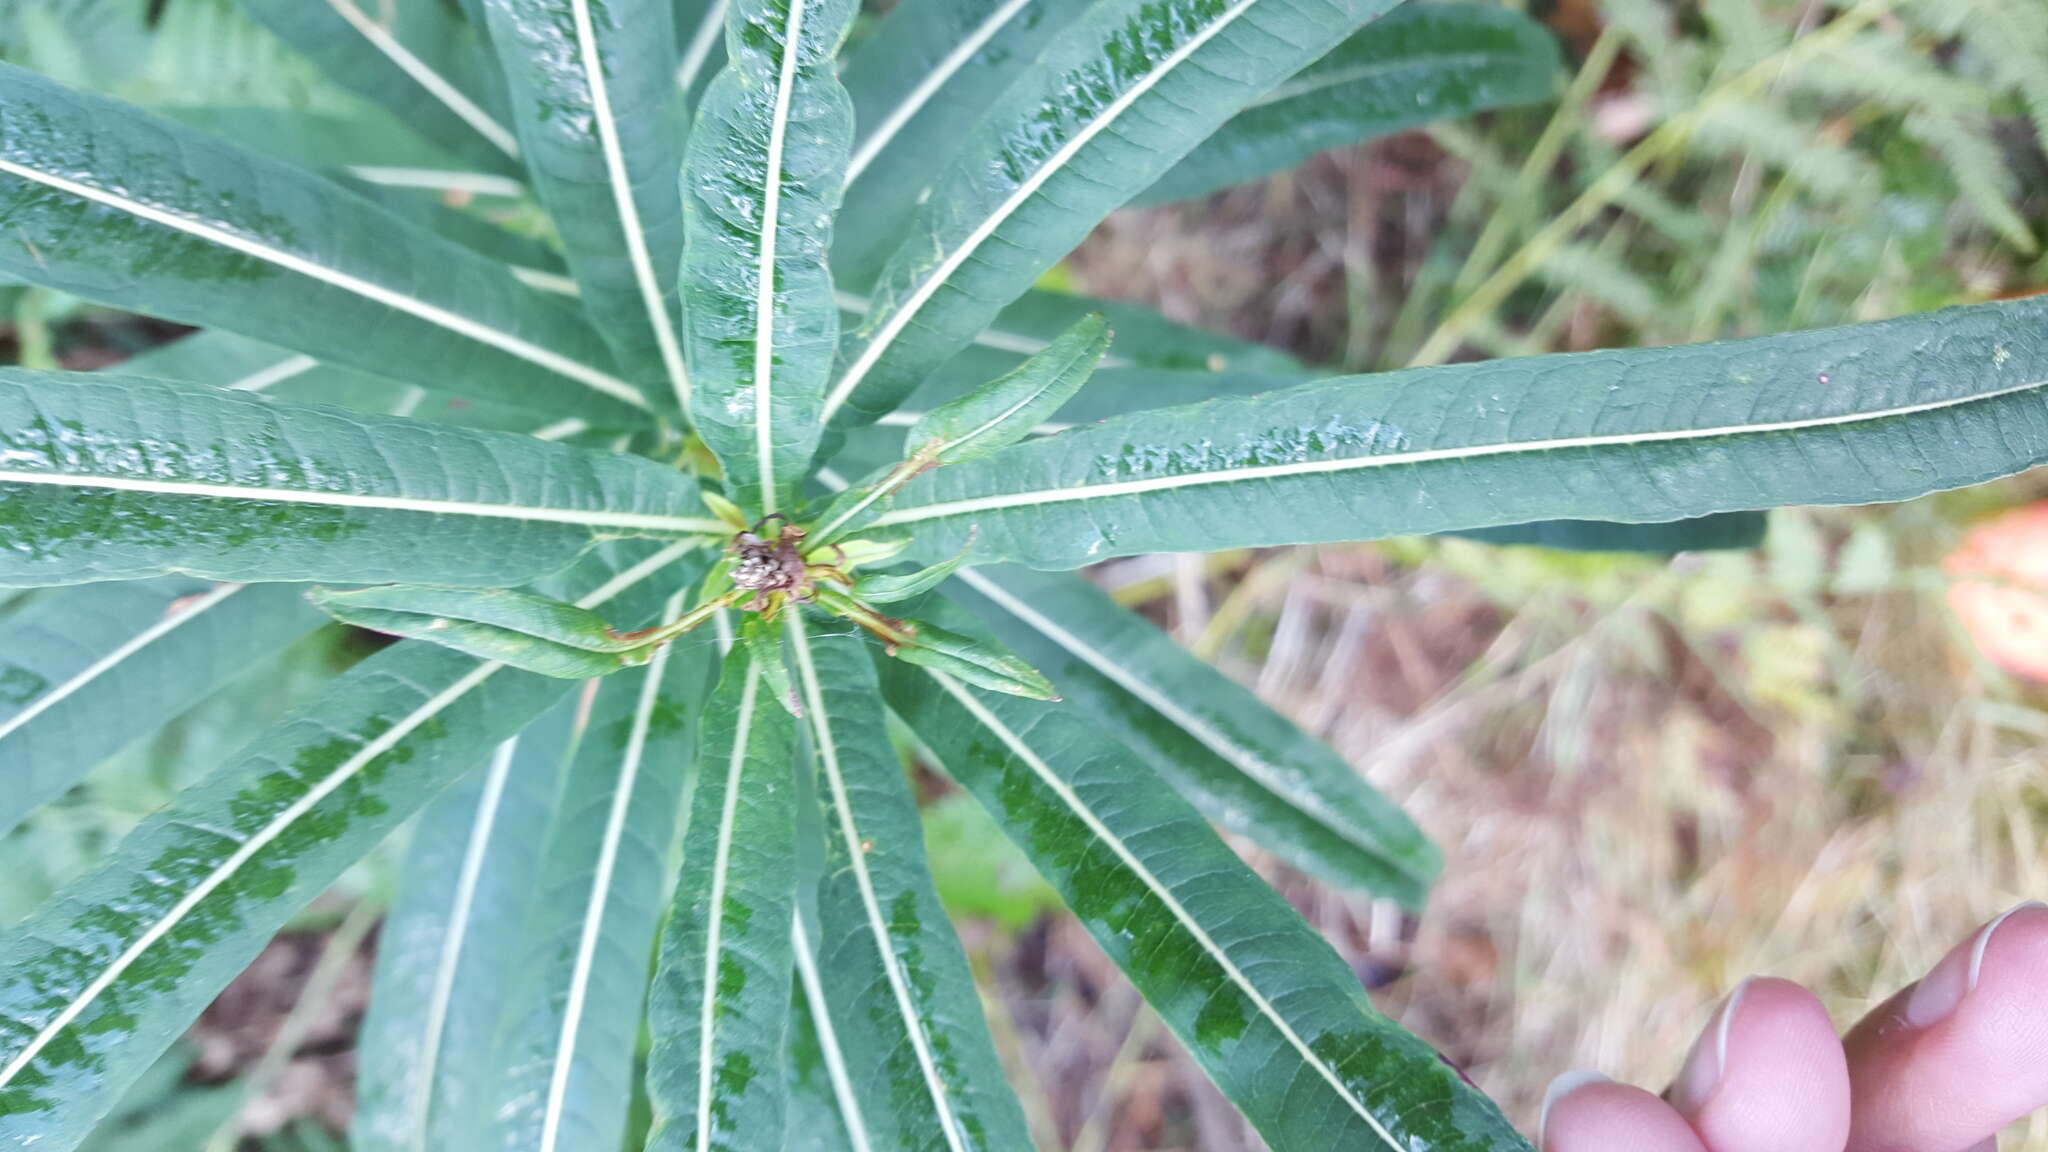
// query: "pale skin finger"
[[1767, 1075], [1591, 1114], [1949, 1062]]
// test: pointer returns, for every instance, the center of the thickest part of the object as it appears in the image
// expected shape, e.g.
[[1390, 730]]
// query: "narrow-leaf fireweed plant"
[[753, 474]]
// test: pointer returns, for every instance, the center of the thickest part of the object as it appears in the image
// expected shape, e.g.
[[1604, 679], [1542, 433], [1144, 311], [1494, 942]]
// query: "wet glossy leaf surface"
[[601, 131], [1881, 411], [574, 1016], [718, 1064], [108, 477], [760, 183], [1118, 96], [894, 977], [137, 212], [100, 981], [444, 970]]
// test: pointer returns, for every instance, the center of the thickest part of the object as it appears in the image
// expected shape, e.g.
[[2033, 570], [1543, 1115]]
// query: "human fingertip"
[[1709, 1059], [1938, 994], [1560, 1088]]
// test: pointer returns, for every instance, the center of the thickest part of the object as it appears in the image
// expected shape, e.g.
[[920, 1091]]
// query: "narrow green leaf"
[[100, 981], [891, 971], [1116, 98], [1006, 409], [700, 39], [108, 478], [327, 141], [760, 185], [982, 663], [1242, 764], [1720, 530], [593, 92], [1270, 1011], [443, 969], [137, 212], [530, 632], [1874, 412], [427, 63], [574, 1022], [1418, 63], [239, 364], [884, 588], [86, 671], [720, 1008], [919, 81], [103, 979]]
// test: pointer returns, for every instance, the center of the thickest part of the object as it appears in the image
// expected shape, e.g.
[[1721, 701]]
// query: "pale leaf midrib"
[[714, 930], [764, 269], [828, 755], [828, 1037], [243, 853], [464, 326], [700, 46], [1336, 77], [1244, 759], [594, 518], [268, 834], [1164, 895], [914, 101], [423, 74], [900, 317], [563, 1061], [454, 937], [1113, 490], [100, 667], [638, 257]]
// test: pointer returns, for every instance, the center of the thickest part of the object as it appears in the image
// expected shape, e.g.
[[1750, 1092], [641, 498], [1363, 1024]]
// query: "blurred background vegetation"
[[1651, 776]]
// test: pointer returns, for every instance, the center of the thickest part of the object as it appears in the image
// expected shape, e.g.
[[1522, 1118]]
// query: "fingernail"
[[1941, 991], [1560, 1088], [1709, 1059]]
